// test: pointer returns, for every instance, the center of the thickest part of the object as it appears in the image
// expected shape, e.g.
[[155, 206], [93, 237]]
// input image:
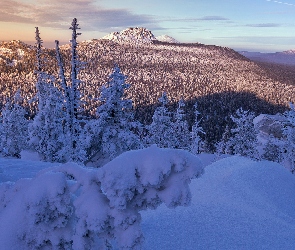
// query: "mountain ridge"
[[284, 57]]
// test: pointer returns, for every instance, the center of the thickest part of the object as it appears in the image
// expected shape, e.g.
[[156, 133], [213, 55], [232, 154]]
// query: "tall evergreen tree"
[[244, 139], [46, 134], [272, 150], [288, 149], [14, 127], [160, 131], [113, 133], [180, 127], [223, 147], [74, 147], [197, 130], [46, 130]]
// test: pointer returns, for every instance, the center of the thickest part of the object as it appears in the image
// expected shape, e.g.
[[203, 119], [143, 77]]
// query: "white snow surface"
[[167, 39], [236, 204], [12, 169]]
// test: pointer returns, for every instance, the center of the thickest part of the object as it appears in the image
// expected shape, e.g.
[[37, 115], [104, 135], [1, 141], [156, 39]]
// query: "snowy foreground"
[[236, 204]]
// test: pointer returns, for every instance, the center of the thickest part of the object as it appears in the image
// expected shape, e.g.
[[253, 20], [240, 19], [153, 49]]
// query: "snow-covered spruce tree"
[[160, 131], [272, 150], [288, 149], [46, 129], [180, 128], [197, 130], [223, 147], [112, 130], [14, 127], [244, 139], [74, 149]]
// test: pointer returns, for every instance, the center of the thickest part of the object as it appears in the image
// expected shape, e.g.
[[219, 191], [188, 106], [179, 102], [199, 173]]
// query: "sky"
[[253, 25]]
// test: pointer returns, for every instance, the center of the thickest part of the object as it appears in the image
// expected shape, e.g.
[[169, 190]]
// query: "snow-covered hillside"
[[236, 204]]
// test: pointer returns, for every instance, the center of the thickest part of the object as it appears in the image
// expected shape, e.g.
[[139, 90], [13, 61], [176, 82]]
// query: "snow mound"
[[72, 207], [270, 124], [236, 204], [167, 39], [137, 35]]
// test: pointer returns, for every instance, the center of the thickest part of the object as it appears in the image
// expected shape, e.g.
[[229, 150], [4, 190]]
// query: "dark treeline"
[[215, 110]]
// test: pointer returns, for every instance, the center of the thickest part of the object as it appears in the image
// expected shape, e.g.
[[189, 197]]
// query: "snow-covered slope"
[[12, 169], [167, 39], [132, 35], [236, 204]]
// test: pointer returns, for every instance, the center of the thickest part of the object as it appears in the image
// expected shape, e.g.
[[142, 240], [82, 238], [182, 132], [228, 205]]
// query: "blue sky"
[[254, 25]]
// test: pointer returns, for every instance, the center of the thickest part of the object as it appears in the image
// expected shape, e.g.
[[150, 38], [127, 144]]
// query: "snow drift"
[[71, 207], [237, 204]]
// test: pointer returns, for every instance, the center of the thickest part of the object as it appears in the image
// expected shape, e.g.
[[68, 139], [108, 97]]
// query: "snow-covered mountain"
[[285, 57], [137, 35], [167, 39]]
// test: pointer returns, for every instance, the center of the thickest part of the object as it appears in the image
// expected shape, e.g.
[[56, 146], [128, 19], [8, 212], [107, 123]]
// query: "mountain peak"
[[167, 39], [132, 35]]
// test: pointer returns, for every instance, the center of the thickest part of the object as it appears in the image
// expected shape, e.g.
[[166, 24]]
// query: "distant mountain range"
[[285, 57], [140, 35]]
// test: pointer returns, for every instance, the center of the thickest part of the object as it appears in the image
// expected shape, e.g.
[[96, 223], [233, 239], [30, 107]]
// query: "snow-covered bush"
[[36, 213], [71, 207]]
